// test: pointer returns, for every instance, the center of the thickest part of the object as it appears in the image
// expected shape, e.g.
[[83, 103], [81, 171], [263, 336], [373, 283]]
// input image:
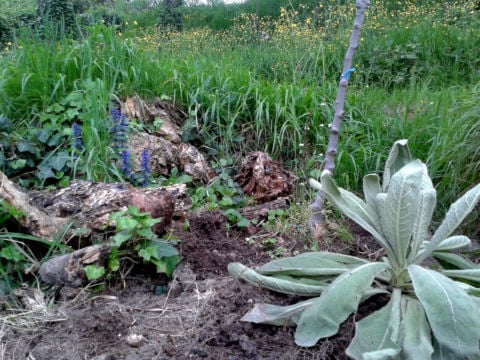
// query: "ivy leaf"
[[11, 253], [43, 135], [23, 146], [59, 160], [45, 172], [55, 140], [126, 223], [121, 237], [94, 272], [166, 265], [17, 164]]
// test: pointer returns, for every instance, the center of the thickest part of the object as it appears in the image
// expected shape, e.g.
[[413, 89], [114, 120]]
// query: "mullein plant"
[[432, 313]]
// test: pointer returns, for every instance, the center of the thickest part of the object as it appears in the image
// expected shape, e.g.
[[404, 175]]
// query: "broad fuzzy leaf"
[[376, 336], [353, 207], [276, 315], [467, 274], [399, 209], [443, 353], [451, 312], [453, 261], [371, 188], [240, 271], [398, 157], [417, 340], [454, 217], [337, 302], [428, 200], [311, 264], [453, 242]]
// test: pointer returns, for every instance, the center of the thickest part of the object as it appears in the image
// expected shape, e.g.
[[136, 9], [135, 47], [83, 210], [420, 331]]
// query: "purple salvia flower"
[[119, 131], [125, 163], [145, 166], [77, 138]]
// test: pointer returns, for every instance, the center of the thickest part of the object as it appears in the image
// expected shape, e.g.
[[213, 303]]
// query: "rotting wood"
[[68, 270], [261, 211], [265, 179], [87, 205]]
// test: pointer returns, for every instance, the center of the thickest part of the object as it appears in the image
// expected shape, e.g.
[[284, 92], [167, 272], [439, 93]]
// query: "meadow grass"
[[269, 84]]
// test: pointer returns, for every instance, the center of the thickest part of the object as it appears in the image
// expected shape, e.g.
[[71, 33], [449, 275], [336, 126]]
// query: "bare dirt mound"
[[197, 318]]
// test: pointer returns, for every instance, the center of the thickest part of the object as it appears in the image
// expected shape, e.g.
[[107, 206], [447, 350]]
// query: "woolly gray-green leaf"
[[376, 336], [371, 188], [398, 157], [428, 200], [466, 274], [417, 341], [240, 271], [399, 209], [451, 260], [443, 353], [337, 302], [276, 315], [353, 207], [453, 242], [454, 217], [311, 264], [451, 312]]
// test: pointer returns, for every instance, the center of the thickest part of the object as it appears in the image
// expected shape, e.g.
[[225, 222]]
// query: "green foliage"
[[17, 260], [57, 19], [274, 94], [37, 151], [134, 235], [430, 312], [170, 15], [14, 16]]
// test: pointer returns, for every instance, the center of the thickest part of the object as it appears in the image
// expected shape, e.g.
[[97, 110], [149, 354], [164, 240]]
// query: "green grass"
[[247, 92]]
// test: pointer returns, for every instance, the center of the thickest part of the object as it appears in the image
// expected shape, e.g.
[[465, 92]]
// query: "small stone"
[[135, 340]]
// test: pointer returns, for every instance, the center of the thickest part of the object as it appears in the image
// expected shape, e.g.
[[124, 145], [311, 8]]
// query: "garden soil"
[[194, 316]]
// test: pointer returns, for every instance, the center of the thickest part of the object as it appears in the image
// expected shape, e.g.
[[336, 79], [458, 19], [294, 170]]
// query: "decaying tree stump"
[[260, 211], [165, 143], [88, 205], [265, 179], [68, 270]]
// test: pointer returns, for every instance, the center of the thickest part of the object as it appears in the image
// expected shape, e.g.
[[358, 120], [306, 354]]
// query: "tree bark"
[[332, 148], [87, 206]]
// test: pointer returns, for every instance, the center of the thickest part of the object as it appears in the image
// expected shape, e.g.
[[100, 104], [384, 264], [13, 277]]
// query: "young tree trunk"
[[317, 206]]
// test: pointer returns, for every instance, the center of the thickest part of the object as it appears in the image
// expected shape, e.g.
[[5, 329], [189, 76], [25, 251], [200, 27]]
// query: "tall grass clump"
[[48, 84], [268, 83]]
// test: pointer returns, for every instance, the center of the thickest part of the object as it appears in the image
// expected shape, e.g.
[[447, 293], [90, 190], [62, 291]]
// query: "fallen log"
[[68, 270], [87, 205]]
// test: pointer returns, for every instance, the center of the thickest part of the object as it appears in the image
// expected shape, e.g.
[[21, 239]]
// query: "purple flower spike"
[[145, 166], [118, 131], [77, 138], [125, 163]]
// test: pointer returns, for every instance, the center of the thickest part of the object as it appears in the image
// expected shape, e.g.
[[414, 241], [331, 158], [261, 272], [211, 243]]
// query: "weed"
[[134, 235]]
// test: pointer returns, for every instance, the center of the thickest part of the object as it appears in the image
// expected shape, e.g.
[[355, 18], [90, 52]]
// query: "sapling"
[[317, 206]]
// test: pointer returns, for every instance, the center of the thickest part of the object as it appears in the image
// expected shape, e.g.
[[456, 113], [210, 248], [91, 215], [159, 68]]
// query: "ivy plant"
[[134, 236], [432, 313]]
